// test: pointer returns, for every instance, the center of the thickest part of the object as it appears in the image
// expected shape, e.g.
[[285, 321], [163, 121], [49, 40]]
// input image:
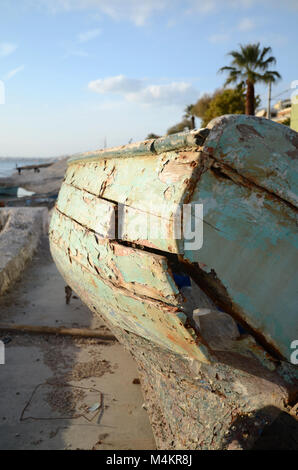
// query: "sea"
[[8, 164]]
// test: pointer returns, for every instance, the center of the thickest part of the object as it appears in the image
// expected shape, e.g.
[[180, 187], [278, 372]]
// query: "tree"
[[151, 135], [222, 101], [189, 115], [229, 101], [286, 122], [180, 127], [199, 109], [188, 121], [249, 66]]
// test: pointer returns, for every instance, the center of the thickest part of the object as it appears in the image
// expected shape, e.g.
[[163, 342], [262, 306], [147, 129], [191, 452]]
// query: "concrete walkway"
[[64, 392]]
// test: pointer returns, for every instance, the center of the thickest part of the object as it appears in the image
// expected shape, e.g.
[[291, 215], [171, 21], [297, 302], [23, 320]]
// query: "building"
[[294, 116], [281, 112]]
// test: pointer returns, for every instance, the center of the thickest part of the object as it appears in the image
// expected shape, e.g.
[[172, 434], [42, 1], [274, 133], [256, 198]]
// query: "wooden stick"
[[62, 331]]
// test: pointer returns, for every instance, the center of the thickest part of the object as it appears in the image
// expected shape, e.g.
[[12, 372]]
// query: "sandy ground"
[[61, 392]]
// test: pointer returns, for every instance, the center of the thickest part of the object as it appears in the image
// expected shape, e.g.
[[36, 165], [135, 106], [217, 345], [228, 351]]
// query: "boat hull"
[[199, 378], [9, 191]]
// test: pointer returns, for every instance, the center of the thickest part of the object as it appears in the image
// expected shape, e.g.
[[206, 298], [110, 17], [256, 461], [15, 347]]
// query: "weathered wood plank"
[[263, 151], [88, 210], [249, 214], [150, 230], [151, 147], [135, 149], [150, 193], [142, 273], [155, 184], [251, 245], [160, 324], [110, 220]]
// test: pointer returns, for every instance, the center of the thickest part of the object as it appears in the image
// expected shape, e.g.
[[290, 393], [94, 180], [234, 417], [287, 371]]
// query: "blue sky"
[[77, 72]]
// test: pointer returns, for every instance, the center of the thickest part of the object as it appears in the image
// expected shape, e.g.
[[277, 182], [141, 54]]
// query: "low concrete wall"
[[20, 231]]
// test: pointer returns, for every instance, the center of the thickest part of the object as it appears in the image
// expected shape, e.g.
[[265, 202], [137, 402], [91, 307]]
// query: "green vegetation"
[[286, 122], [189, 116], [185, 124], [249, 65], [223, 101], [151, 135], [209, 106]]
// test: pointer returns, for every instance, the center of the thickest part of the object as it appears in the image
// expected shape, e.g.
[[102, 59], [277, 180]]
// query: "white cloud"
[[272, 39], [210, 6], [175, 93], [89, 35], [13, 72], [139, 11], [205, 6], [246, 24], [136, 11], [119, 84], [75, 52], [76, 49], [219, 38], [7, 48]]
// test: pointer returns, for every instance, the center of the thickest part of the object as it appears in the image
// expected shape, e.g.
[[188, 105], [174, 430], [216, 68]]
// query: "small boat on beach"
[[36, 167], [186, 246], [9, 190], [33, 200]]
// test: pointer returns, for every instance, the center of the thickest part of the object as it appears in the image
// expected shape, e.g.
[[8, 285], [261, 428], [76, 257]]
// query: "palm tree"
[[249, 66], [189, 115]]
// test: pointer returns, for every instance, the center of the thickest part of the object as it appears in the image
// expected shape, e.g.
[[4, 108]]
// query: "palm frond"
[[265, 51], [238, 59], [233, 77], [248, 63], [270, 76], [227, 69], [264, 64]]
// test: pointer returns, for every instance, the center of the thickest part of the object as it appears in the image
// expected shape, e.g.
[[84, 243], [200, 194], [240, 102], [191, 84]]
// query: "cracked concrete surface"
[[49, 383]]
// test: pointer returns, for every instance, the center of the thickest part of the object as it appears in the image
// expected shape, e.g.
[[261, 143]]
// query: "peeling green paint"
[[245, 174]]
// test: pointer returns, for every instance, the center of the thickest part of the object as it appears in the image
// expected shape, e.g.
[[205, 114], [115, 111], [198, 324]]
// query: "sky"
[[76, 74]]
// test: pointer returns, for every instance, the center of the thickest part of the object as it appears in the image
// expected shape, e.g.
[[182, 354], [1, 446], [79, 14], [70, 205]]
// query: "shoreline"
[[47, 180]]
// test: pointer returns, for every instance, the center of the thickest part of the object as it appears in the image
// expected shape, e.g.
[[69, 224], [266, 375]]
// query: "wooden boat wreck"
[[204, 295]]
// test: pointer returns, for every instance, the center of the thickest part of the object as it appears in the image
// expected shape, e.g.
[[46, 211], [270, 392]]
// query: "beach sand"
[[49, 383]]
